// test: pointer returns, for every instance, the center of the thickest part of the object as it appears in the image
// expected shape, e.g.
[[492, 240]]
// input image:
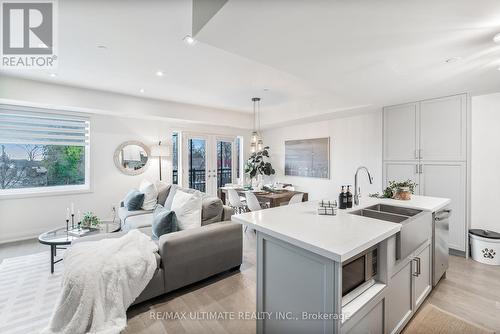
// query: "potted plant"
[[90, 220], [256, 165], [400, 190]]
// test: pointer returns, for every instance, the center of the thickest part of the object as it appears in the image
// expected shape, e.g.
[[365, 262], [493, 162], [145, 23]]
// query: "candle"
[[72, 208], [67, 213]]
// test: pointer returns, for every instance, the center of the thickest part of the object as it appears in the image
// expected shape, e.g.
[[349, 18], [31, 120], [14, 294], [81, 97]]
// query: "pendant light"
[[257, 144], [256, 140]]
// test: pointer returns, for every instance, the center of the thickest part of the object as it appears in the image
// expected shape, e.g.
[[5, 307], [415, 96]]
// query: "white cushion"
[[187, 208], [150, 195]]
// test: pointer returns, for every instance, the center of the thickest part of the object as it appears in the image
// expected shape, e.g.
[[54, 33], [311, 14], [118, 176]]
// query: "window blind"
[[26, 125]]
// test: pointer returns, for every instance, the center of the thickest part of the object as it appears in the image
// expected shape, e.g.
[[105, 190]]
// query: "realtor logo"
[[28, 34]]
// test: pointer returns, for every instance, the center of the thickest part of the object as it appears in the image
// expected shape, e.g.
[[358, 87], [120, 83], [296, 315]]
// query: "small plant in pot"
[[257, 165], [400, 190], [90, 220]]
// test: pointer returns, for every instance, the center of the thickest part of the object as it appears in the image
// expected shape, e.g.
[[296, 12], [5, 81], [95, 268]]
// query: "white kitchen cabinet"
[[399, 299], [400, 132], [443, 126], [401, 171], [449, 181], [438, 179], [371, 323], [427, 142], [422, 275], [408, 288]]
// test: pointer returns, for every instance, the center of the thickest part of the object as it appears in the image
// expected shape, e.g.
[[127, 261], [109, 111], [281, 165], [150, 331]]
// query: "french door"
[[209, 162]]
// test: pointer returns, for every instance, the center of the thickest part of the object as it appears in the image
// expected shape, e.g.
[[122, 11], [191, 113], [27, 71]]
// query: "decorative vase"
[[403, 194], [260, 182], [257, 183]]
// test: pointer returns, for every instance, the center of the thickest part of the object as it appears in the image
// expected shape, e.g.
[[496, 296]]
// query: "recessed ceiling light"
[[159, 73], [452, 60], [189, 40], [496, 38], [498, 68], [141, 90], [53, 75]]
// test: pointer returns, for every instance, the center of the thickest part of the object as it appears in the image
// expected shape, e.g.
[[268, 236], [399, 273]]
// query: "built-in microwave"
[[358, 274]]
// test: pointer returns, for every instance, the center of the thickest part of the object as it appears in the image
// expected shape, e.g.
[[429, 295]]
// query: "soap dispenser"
[[342, 199], [349, 197]]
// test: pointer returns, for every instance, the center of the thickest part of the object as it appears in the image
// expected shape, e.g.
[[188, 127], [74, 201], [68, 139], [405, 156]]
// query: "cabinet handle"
[[420, 153], [418, 266], [443, 215], [416, 169], [415, 273], [420, 169]]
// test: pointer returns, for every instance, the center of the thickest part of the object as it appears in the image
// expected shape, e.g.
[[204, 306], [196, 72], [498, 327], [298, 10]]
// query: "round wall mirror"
[[132, 157]]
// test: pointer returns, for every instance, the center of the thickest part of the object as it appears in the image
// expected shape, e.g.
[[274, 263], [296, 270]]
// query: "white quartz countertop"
[[336, 237], [425, 203]]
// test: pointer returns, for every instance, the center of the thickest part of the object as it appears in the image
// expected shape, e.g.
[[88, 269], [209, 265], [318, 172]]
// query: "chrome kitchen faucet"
[[357, 191]]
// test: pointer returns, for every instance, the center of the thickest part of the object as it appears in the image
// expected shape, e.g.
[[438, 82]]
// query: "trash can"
[[485, 246]]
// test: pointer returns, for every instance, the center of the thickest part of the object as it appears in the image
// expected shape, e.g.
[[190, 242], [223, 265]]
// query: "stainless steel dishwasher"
[[440, 236]]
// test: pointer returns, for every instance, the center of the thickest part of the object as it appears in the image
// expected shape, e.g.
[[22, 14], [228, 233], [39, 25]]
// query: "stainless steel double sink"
[[415, 225]]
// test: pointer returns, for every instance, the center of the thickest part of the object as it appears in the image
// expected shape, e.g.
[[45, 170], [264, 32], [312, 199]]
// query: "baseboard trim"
[[21, 237], [456, 252]]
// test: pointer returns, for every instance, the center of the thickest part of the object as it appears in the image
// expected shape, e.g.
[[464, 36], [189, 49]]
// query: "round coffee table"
[[61, 237]]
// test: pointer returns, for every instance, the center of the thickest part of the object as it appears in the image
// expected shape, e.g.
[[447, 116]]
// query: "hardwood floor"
[[471, 291], [20, 248]]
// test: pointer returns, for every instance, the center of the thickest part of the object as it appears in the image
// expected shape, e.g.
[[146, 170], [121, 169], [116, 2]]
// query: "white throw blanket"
[[101, 280]]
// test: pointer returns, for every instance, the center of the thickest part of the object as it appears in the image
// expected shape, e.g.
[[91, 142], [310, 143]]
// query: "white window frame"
[[53, 190]]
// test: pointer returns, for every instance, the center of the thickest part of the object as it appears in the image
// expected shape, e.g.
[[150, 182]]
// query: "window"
[[175, 158], [224, 163], [197, 164], [42, 151]]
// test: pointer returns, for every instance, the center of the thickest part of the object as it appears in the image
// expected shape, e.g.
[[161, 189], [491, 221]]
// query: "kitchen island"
[[300, 261]]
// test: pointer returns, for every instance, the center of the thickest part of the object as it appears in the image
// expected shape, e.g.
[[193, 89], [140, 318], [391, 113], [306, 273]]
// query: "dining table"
[[274, 197]]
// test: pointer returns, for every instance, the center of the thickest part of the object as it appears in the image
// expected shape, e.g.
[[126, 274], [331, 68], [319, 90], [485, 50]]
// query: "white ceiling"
[[314, 57]]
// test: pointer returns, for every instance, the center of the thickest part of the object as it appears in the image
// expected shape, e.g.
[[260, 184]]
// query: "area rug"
[[432, 320], [28, 293]]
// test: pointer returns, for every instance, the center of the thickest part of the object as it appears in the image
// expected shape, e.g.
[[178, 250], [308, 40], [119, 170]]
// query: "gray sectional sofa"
[[212, 210], [187, 256]]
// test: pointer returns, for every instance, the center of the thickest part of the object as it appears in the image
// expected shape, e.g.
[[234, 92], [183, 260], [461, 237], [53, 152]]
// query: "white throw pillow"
[[187, 208], [150, 195]]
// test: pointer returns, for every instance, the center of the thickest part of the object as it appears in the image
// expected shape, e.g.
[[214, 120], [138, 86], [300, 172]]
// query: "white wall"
[[485, 162], [27, 217], [101, 102], [354, 141]]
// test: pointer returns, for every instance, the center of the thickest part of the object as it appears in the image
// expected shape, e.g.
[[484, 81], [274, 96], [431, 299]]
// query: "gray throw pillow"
[[134, 199], [164, 221], [163, 191], [211, 210], [170, 197]]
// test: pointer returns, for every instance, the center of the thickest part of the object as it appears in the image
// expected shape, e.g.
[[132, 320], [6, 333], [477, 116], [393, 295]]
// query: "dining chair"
[[252, 201], [297, 198], [235, 201]]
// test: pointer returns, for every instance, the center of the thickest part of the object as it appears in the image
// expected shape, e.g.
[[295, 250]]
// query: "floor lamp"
[[160, 151]]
